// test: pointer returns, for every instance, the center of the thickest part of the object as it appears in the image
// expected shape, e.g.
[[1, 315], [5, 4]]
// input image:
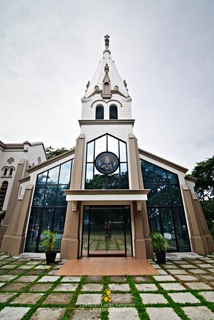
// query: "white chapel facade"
[[105, 196]]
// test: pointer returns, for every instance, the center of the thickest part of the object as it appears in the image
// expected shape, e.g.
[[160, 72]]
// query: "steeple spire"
[[106, 81]]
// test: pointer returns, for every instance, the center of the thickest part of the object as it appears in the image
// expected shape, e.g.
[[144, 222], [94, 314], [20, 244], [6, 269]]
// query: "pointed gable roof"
[[115, 80]]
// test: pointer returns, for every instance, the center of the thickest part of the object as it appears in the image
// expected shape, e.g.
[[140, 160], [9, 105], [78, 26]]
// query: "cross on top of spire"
[[106, 37]]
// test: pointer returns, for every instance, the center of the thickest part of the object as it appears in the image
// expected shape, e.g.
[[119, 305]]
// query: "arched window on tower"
[[99, 112], [11, 171], [3, 191], [5, 171], [113, 114]]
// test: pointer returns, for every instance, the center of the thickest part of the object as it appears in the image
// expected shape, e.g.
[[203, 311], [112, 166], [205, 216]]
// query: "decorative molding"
[[10, 160], [74, 206], [51, 161], [190, 178], [139, 205], [106, 102], [104, 122]]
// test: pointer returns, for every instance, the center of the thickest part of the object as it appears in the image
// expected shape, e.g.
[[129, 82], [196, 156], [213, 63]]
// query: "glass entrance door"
[[106, 231]]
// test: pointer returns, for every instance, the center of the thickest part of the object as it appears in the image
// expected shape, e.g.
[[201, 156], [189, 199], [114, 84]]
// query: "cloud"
[[50, 49]]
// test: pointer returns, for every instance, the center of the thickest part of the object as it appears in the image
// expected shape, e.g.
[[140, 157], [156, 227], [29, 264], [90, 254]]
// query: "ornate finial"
[[88, 84], [106, 37], [125, 83], [106, 68]]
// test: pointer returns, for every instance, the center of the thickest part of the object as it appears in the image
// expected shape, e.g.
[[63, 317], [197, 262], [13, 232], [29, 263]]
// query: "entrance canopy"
[[107, 194]]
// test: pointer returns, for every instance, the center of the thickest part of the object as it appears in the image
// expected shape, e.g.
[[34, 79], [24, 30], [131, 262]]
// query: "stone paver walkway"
[[183, 289]]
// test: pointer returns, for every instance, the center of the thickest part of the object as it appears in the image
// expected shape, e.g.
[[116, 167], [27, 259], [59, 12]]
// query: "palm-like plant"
[[49, 239], [159, 242]]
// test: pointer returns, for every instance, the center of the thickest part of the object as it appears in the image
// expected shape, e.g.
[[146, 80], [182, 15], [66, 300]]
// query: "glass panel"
[[85, 232], [168, 228], [113, 112], [128, 232], [172, 222], [161, 175], [100, 145], [39, 196], [123, 168], [100, 181], [173, 178], [90, 152], [164, 195], [113, 145], [181, 230], [50, 196], [124, 181], [89, 176], [59, 221], [153, 196], [61, 196], [42, 177], [106, 231], [89, 171], [65, 173], [176, 195], [46, 196], [99, 112], [115, 237], [46, 223], [53, 176], [97, 231], [33, 230], [122, 151], [154, 219], [113, 180], [148, 173]]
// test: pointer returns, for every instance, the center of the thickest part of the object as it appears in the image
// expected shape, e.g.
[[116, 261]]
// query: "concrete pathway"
[[183, 289]]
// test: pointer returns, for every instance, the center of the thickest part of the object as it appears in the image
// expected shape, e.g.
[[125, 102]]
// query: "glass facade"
[[49, 206], [165, 206], [94, 179]]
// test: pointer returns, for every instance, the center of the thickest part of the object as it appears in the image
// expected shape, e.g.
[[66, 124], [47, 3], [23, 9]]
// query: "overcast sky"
[[164, 49]]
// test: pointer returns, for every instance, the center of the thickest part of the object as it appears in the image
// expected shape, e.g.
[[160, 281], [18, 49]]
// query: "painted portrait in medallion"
[[107, 162]]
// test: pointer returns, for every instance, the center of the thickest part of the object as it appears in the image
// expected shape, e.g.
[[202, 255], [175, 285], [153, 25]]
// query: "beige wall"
[[14, 238], [200, 238], [70, 240], [21, 168]]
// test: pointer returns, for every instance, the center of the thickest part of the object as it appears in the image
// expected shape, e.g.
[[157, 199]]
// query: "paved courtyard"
[[183, 289]]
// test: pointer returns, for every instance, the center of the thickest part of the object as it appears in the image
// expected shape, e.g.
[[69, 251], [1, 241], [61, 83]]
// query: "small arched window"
[[5, 171], [3, 191], [113, 114], [99, 112], [11, 171]]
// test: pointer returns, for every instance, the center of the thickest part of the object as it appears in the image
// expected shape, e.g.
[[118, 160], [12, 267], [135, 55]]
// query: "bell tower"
[[106, 172]]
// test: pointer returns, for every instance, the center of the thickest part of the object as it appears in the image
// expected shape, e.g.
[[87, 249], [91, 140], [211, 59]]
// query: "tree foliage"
[[204, 189], [204, 172], [51, 152]]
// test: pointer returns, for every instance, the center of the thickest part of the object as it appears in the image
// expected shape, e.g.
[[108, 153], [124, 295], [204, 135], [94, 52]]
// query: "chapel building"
[[106, 195]]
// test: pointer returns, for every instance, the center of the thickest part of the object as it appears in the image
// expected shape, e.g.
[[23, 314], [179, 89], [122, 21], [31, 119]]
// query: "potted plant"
[[160, 246], [48, 243]]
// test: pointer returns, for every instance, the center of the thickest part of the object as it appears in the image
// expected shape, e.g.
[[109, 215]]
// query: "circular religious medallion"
[[106, 162]]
